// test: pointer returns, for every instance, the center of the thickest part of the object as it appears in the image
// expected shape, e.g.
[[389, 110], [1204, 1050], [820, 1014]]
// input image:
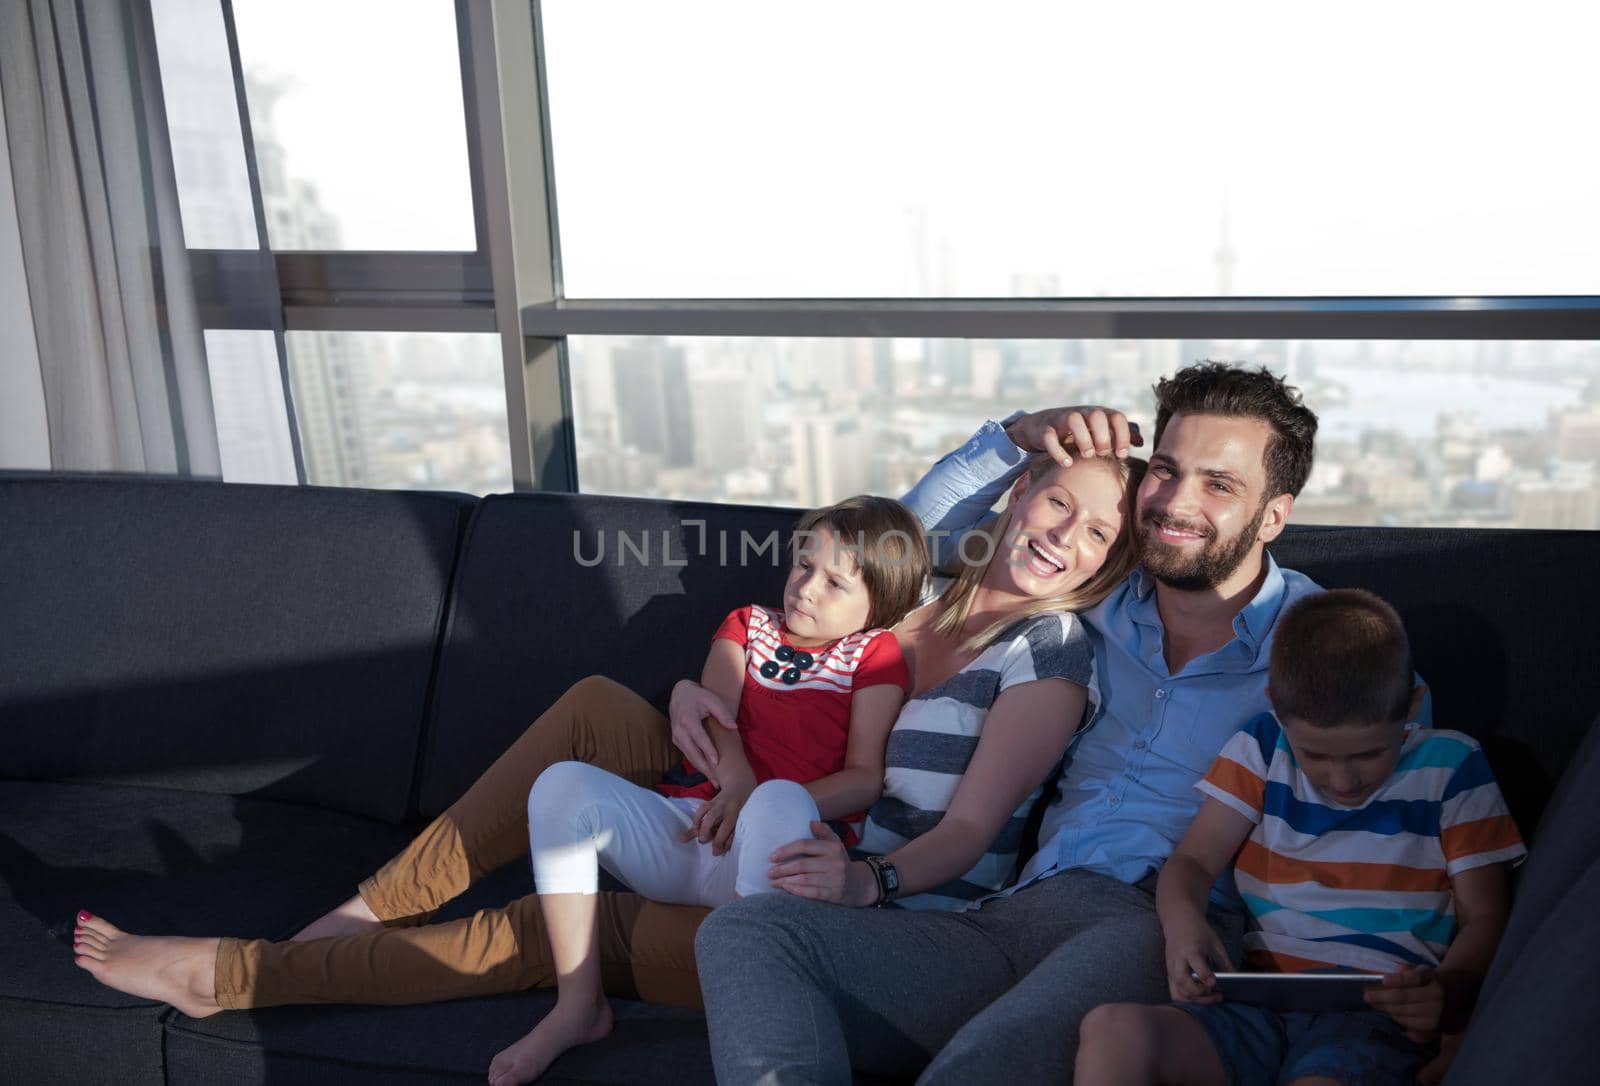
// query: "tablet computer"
[[1300, 991]]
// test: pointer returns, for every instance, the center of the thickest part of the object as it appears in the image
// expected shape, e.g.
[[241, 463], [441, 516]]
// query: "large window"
[[359, 132], [942, 148], [1421, 433], [730, 252], [397, 409], [324, 181]]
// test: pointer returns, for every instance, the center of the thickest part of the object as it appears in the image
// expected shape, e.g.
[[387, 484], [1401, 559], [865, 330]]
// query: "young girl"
[[813, 689]]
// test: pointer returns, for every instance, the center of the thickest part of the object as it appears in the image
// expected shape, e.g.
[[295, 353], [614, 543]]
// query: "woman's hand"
[[1193, 952], [691, 704], [819, 868], [1092, 431], [1414, 998]]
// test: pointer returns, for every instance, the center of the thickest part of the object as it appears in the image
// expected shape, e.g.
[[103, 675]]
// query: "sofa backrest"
[[231, 639], [551, 588], [1499, 625]]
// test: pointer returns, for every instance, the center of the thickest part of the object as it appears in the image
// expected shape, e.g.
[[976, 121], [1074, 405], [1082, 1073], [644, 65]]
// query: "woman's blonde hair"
[[1120, 559], [886, 540]]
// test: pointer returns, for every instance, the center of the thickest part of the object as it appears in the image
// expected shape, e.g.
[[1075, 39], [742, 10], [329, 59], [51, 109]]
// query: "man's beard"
[[1216, 562]]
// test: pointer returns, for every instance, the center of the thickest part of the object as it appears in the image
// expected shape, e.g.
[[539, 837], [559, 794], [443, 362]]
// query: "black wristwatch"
[[888, 879]]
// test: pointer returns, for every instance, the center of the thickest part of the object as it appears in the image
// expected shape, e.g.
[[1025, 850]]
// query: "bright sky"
[[371, 113], [896, 148]]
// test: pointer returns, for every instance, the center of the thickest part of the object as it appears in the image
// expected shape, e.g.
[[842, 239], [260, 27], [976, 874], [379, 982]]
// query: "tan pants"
[[646, 948]]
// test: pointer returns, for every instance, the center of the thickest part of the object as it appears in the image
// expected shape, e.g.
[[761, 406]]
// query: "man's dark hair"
[[1341, 657], [1221, 388]]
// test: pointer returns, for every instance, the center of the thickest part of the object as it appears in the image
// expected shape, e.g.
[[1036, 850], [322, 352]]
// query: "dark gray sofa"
[[220, 706]]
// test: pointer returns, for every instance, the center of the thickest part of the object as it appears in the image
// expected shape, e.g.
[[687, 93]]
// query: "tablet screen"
[[1299, 991]]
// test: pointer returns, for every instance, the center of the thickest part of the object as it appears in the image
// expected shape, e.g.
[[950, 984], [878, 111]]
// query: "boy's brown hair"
[[886, 540], [1341, 657]]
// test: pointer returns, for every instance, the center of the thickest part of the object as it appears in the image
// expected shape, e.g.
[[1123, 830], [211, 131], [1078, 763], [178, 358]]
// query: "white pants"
[[581, 818]]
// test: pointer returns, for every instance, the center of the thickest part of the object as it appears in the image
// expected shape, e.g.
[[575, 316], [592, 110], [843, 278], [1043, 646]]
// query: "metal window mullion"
[[1485, 318], [267, 271], [500, 71]]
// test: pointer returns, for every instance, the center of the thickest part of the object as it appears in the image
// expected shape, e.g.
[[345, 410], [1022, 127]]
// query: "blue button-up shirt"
[[1126, 793]]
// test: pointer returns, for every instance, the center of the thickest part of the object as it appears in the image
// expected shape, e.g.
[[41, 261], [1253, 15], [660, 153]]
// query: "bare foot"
[[351, 918], [173, 970], [564, 1027]]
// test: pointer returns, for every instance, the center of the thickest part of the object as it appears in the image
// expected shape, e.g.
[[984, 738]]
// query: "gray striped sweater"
[[937, 732]]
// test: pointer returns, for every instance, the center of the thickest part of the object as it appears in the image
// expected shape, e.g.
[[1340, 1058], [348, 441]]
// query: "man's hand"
[[717, 817], [1193, 952], [690, 706], [1414, 998], [1090, 431]]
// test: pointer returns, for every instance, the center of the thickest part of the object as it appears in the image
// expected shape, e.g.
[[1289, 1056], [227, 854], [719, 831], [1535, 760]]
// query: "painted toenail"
[[84, 916]]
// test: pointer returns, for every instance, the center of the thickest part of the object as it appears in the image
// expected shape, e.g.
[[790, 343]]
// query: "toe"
[[101, 926]]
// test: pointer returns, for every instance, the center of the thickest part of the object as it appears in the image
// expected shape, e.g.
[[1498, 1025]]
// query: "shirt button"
[[1139, 744], [1113, 801], [1161, 693]]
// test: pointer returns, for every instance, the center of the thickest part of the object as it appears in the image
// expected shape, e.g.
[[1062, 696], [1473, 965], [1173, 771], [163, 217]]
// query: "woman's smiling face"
[[1062, 529]]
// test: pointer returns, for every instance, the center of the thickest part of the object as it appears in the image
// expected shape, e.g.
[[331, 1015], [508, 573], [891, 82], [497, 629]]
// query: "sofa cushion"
[[1539, 994], [1498, 625], [533, 611], [150, 860], [439, 1042], [235, 639]]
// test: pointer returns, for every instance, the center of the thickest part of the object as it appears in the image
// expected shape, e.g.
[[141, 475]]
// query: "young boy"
[[1358, 842]]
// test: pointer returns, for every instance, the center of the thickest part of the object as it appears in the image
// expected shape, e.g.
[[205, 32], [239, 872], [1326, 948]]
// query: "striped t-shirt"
[[1364, 887], [934, 738]]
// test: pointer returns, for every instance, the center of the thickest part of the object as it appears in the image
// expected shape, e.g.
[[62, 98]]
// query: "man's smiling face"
[[1202, 503]]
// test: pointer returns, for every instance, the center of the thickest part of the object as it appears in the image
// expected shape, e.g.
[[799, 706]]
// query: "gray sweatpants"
[[797, 991]]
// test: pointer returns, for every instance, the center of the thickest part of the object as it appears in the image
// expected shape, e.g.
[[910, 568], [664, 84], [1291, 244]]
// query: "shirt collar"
[[1253, 622]]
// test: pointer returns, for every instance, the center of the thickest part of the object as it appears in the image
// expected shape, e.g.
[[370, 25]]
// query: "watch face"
[[891, 879]]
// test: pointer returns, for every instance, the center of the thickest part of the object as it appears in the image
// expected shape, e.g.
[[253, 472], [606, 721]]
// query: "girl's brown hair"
[[885, 539], [1120, 560]]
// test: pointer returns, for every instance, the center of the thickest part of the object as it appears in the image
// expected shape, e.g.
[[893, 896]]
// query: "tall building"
[[653, 403], [831, 458], [726, 415]]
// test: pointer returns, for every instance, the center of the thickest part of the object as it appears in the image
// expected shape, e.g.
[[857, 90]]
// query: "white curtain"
[[120, 348]]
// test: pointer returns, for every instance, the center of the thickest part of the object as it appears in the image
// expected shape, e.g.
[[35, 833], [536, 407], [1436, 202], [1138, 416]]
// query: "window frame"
[[511, 283]]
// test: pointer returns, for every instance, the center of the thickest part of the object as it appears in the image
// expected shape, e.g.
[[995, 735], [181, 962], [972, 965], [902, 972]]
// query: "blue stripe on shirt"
[[1375, 942], [1386, 817], [1473, 772], [1425, 924]]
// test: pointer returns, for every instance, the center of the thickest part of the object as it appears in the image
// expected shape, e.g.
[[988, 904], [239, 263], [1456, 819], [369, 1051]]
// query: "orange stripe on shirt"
[[1264, 865], [1238, 782], [1483, 835], [1272, 961]]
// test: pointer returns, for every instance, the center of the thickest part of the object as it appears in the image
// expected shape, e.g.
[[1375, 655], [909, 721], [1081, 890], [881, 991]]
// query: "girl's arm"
[[958, 492], [1023, 738], [723, 675], [714, 698], [1185, 883], [714, 822], [859, 784]]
